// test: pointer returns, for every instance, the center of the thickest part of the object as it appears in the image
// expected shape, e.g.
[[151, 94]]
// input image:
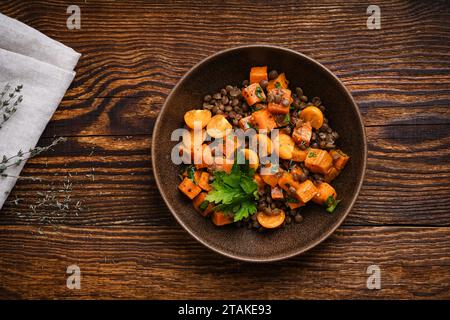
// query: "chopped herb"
[[312, 155], [204, 205], [332, 204], [259, 93], [278, 85], [235, 192], [191, 172], [287, 118]]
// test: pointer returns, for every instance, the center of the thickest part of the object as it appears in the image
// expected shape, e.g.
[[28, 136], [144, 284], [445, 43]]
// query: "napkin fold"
[[44, 68]]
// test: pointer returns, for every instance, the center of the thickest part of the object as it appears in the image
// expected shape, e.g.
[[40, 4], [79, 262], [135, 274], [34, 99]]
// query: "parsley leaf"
[[191, 172], [246, 209], [234, 192], [331, 204]]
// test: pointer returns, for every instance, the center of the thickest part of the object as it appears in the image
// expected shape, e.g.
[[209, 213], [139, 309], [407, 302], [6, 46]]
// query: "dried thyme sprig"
[[22, 156], [9, 102]]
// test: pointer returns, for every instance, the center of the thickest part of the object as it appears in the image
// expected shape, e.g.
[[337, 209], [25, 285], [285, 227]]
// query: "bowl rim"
[[324, 235]]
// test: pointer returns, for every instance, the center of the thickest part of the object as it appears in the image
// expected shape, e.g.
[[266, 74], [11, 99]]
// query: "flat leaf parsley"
[[235, 192]]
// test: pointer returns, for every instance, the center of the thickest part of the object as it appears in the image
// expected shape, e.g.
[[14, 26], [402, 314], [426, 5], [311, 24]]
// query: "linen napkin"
[[44, 67]]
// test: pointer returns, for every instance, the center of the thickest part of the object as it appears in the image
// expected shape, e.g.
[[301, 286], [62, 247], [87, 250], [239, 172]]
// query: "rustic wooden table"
[[127, 243]]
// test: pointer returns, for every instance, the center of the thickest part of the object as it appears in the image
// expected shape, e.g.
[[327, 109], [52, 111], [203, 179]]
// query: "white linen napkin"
[[44, 68]]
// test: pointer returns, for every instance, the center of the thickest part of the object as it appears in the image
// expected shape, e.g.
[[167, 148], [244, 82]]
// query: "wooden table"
[[126, 242]]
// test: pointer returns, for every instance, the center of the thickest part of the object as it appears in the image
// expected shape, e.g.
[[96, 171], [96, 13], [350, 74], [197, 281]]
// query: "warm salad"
[[264, 190]]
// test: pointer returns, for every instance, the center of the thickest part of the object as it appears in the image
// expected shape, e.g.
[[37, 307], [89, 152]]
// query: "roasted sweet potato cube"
[[203, 182], [299, 155], [257, 74], [279, 108], [331, 174], [189, 188], [324, 191], [220, 218], [306, 191], [263, 119], [259, 181], [340, 159], [318, 161], [276, 193], [253, 94], [244, 123], [295, 205], [296, 170], [302, 135], [270, 179], [199, 204], [286, 181], [197, 175], [278, 82]]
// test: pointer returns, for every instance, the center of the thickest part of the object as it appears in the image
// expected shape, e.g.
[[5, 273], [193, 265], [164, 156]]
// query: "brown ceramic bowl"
[[232, 67]]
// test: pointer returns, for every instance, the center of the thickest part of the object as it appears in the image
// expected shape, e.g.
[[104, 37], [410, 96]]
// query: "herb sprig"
[[9, 102], [331, 204], [22, 156], [235, 192]]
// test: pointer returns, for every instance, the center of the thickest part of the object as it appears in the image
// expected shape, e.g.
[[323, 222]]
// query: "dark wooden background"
[[128, 245]]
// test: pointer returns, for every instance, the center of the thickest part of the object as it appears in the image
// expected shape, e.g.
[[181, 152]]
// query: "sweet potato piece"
[[306, 191], [220, 219], [295, 205], [318, 161], [276, 193], [296, 170], [259, 181], [340, 159], [278, 82], [263, 119], [197, 175], [189, 188], [278, 108], [324, 191], [203, 182], [257, 74], [299, 155], [286, 180], [331, 174], [253, 94], [244, 123], [302, 134], [270, 179], [198, 201]]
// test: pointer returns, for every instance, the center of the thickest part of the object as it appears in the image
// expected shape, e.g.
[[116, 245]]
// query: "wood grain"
[[398, 75], [166, 263], [127, 243]]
